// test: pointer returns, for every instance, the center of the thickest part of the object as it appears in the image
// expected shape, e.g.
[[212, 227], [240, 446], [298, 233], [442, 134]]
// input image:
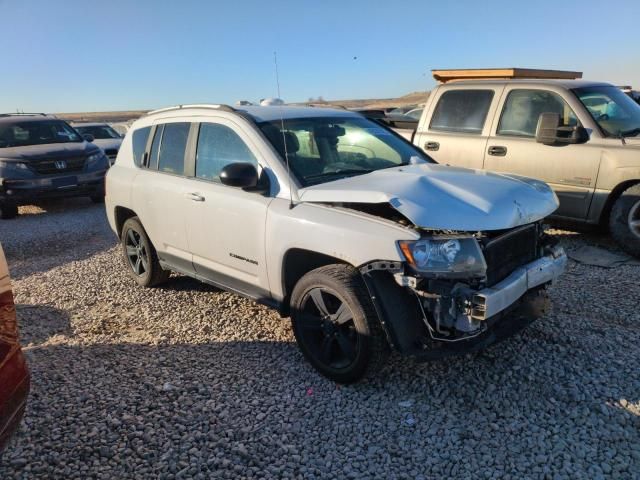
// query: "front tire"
[[8, 210], [624, 221], [139, 255], [336, 325]]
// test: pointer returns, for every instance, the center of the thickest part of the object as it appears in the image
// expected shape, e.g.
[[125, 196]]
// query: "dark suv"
[[41, 157]]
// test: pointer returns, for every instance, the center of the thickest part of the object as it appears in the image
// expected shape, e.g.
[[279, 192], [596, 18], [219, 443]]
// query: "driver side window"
[[523, 109], [218, 146]]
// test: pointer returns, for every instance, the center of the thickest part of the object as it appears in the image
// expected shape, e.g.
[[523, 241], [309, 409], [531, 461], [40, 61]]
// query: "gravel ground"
[[186, 381]]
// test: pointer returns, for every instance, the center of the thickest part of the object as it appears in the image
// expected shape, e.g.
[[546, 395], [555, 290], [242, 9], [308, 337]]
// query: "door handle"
[[196, 197], [497, 151], [432, 146]]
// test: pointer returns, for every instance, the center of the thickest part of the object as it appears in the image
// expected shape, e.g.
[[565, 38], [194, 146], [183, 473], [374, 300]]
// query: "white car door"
[[158, 194], [226, 225]]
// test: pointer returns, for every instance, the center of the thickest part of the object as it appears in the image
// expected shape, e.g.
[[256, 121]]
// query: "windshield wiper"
[[346, 171], [630, 133]]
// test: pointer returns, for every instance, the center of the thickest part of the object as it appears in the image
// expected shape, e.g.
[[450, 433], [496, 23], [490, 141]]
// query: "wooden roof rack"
[[444, 76]]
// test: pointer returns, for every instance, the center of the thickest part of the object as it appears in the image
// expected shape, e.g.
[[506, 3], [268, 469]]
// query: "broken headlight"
[[442, 257]]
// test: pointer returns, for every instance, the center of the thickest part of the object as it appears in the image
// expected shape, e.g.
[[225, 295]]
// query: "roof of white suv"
[[269, 114], [258, 113]]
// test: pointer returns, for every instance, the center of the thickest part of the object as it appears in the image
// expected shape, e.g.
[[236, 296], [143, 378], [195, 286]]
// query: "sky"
[[86, 56]]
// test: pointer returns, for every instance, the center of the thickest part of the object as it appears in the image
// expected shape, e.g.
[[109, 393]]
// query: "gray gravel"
[[186, 381]]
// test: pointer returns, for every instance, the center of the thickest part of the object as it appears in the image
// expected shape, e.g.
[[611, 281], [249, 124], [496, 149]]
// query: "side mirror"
[[240, 174], [88, 137], [549, 131]]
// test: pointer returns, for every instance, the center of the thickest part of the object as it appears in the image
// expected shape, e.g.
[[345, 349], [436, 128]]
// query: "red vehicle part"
[[14, 374]]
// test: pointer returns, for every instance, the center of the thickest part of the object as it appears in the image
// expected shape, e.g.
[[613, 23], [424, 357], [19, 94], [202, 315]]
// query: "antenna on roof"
[[284, 137]]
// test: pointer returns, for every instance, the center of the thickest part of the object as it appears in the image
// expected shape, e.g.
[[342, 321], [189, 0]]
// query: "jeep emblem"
[[60, 164]]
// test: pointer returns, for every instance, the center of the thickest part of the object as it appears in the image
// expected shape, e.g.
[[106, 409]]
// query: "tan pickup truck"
[[581, 137]]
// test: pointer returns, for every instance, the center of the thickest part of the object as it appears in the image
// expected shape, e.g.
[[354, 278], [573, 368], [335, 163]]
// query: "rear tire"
[[8, 210], [336, 325], [624, 221], [140, 256]]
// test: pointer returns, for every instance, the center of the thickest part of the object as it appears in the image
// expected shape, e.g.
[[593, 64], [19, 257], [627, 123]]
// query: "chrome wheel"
[[634, 219], [136, 252], [327, 329]]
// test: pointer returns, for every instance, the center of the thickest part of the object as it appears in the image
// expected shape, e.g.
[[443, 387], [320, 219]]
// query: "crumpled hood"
[[444, 198], [48, 151]]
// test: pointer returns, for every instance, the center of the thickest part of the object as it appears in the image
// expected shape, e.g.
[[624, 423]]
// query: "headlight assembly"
[[15, 165], [445, 257], [95, 158]]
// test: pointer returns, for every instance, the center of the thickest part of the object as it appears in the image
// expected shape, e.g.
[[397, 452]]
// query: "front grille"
[[63, 165], [111, 152], [509, 251]]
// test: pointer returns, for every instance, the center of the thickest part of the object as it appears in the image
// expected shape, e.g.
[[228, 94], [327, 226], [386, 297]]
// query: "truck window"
[[523, 108], [218, 146], [462, 111], [174, 143]]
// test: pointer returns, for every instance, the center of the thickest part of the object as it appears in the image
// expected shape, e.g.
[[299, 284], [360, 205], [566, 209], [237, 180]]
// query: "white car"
[[339, 223], [102, 135]]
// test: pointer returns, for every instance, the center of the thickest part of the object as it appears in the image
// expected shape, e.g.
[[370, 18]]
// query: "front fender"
[[349, 236]]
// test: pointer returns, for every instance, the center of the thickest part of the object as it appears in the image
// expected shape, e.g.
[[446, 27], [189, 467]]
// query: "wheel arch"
[[296, 263], [611, 200], [121, 215]]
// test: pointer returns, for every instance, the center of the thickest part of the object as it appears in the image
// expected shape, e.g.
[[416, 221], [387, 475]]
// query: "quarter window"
[[218, 146], [463, 111], [139, 143], [172, 148], [523, 109]]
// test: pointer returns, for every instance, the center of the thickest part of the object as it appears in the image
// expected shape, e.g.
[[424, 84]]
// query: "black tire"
[[8, 210], [624, 222], [139, 255], [344, 346], [97, 198]]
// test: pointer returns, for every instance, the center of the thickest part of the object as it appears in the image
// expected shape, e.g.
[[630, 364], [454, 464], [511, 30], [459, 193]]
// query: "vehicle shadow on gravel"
[[245, 407], [40, 323]]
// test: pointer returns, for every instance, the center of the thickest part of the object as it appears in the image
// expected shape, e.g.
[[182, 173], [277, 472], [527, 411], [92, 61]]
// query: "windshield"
[[324, 149], [616, 113], [99, 132], [20, 134]]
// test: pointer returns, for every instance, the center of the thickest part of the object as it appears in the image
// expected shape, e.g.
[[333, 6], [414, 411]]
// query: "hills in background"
[[414, 98]]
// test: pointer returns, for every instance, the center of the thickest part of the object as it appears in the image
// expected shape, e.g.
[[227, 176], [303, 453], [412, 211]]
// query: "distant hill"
[[415, 98]]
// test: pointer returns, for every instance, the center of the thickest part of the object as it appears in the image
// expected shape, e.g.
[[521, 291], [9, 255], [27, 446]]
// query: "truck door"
[[571, 170], [456, 127]]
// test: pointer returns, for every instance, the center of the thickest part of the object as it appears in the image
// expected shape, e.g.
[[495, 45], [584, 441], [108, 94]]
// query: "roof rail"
[[19, 114], [222, 107], [444, 76]]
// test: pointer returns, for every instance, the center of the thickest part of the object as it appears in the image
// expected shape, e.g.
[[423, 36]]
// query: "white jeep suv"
[[337, 222]]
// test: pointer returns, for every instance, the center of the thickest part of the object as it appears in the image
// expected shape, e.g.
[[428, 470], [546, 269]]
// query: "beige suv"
[[582, 138]]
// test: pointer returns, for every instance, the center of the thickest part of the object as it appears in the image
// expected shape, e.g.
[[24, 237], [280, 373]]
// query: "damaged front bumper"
[[493, 300], [480, 317]]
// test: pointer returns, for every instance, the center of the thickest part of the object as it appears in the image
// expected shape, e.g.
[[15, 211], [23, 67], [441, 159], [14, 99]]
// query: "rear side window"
[[172, 147], [462, 111], [139, 143], [218, 146]]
